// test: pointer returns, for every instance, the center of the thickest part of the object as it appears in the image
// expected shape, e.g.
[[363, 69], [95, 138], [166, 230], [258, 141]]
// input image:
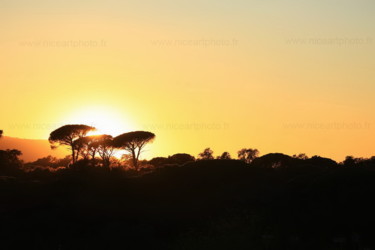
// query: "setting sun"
[[106, 120]]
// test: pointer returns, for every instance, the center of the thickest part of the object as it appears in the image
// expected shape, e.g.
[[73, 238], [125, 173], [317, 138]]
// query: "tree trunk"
[[73, 155], [135, 162]]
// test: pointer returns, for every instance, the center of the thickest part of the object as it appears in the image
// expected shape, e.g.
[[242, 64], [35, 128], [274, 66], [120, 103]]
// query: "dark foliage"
[[207, 154], [48, 163], [276, 202], [248, 154], [225, 156], [176, 159], [10, 164]]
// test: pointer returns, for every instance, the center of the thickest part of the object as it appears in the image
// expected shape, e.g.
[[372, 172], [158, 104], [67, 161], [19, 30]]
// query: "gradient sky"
[[281, 76]]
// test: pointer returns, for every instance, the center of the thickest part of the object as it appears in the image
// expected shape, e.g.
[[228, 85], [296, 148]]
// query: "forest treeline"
[[274, 201], [99, 151]]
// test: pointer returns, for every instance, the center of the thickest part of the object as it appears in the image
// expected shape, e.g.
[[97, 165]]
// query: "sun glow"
[[106, 120]]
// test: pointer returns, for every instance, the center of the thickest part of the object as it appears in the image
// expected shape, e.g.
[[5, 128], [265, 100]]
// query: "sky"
[[280, 76]]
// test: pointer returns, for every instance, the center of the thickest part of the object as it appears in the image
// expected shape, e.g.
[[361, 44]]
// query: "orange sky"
[[287, 76]]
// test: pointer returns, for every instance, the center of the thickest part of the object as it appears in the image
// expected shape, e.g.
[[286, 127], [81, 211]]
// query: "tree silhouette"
[[301, 156], [180, 158], [248, 154], [274, 161], [225, 156], [49, 162], [88, 145], [10, 164], [83, 145], [350, 161], [66, 135], [133, 142], [12, 155], [207, 154], [1, 133], [105, 147]]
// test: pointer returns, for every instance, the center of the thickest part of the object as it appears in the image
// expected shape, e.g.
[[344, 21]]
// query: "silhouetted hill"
[[31, 149]]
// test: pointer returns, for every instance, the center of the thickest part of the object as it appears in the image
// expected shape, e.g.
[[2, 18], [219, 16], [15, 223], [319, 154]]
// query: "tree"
[[274, 161], [180, 158], [134, 143], [1, 133], [159, 161], [66, 135], [176, 159], [48, 162], [10, 155], [105, 148], [10, 164], [321, 162], [207, 154], [83, 145], [225, 156], [88, 146], [301, 156], [350, 161], [248, 154]]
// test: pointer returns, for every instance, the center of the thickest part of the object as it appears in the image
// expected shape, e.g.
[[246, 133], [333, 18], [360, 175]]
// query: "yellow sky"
[[287, 76]]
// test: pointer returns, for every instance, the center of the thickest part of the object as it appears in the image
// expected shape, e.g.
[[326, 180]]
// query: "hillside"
[[31, 149]]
